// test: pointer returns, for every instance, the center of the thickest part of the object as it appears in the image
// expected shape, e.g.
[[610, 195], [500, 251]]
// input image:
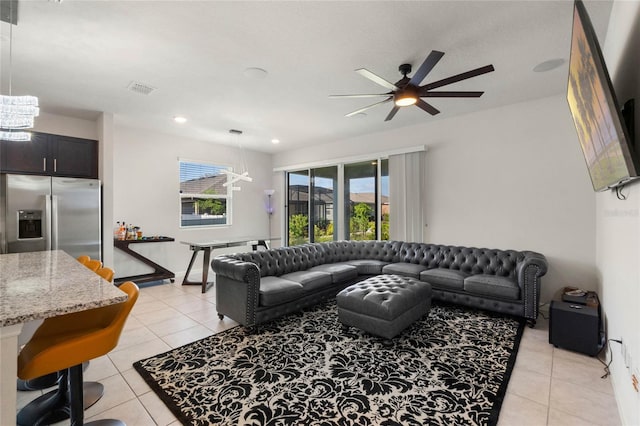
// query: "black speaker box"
[[575, 327]]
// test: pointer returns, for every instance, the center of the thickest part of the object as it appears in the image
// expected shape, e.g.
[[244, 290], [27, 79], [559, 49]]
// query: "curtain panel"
[[406, 196]]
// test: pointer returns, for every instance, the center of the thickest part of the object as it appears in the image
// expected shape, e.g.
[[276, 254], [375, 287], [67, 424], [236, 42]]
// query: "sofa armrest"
[[529, 272], [232, 268], [237, 289]]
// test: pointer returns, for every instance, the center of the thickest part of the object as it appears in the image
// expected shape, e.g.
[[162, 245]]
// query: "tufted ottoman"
[[384, 305]]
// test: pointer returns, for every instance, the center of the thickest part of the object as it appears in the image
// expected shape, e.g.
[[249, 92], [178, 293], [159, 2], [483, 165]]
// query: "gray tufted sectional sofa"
[[255, 287]]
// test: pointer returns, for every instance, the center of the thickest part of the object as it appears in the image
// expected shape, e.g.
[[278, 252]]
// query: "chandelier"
[[244, 173], [16, 112]]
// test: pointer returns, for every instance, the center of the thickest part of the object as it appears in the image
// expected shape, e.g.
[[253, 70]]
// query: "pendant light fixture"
[[16, 112], [233, 177]]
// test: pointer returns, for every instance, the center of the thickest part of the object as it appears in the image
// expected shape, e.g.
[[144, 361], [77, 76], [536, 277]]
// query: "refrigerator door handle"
[[54, 222], [47, 222]]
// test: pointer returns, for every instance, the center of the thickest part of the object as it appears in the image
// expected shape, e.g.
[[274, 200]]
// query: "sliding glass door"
[[298, 207], [360, 195], [361, 212], [324, 182], [384, 199]]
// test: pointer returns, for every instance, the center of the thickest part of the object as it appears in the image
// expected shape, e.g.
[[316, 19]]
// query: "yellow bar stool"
[[40, 383], [64, 343], [106, 273], [93, 264]]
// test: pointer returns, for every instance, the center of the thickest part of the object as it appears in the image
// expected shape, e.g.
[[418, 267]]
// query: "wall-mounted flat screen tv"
[[603, 136]]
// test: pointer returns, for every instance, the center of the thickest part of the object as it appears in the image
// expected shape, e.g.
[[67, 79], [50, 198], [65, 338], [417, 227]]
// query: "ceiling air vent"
[[141, 88]]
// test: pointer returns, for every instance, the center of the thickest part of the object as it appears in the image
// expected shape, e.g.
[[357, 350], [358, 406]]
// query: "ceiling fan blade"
[[368, 107], [426, 107], [393, 112], [459, 77], [376, 79], [360, 96], [450, 94], [426, 67]]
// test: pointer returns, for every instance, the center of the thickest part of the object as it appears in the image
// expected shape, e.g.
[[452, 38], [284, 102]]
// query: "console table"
[[159, 272], [206, 248], [35, 286]]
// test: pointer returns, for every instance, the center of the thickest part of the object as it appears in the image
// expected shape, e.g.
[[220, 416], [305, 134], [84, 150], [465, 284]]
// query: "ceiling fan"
[[407, 91]]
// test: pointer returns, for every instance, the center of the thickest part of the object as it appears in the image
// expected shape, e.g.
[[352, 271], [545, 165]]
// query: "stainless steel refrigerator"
[[50, 213]]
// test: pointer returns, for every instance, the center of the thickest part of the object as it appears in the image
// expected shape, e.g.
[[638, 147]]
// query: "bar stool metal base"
[[43, 382], [39, 383], [53, 407], [49, 408], [106, 422]]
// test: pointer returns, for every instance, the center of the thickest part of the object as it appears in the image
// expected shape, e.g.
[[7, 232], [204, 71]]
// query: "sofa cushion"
[[368, 266], [492, 285], [444, 278], [340, 272], [275, 290], [407, 269], [310, 280]]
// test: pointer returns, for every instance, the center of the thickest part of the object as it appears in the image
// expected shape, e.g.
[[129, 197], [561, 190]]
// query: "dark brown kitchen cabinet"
[[51, 155]]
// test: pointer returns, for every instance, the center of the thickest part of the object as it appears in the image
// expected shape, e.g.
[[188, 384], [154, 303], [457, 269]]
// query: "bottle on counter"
[[130, 233], [123, 232]]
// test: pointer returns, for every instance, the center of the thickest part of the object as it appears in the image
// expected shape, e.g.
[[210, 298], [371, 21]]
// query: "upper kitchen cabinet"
[[51, 155], [74, 157]]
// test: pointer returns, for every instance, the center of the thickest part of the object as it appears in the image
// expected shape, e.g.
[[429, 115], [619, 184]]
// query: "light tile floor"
[[548, 386]]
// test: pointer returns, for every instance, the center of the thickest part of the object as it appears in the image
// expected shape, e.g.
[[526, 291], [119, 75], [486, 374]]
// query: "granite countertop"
[[45, 284]]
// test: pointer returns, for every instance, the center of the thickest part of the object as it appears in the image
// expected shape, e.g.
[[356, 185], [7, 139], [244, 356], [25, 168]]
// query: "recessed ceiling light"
[[179, 119], [275, 141], [549, 65], [255, 73]]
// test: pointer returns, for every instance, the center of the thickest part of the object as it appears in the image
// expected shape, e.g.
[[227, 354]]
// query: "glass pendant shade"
[[15, 136], [17, 112]]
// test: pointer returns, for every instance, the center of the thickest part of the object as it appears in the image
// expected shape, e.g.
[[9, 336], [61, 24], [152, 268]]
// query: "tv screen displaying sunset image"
[[594, 109]]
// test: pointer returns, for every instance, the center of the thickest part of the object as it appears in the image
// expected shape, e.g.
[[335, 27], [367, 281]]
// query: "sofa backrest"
[[470, 260], [284, 260], [342, 251]]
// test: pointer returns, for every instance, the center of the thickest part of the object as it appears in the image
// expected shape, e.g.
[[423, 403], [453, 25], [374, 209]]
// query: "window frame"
[[228, 197]]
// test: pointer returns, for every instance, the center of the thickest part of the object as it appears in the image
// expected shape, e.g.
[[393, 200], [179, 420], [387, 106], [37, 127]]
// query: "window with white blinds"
[[205, 200]]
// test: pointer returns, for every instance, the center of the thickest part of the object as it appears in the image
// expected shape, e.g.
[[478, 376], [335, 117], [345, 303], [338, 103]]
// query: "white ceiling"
[[79, 57]]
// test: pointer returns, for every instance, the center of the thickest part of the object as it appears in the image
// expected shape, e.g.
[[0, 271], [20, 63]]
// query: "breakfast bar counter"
[[39, 285]]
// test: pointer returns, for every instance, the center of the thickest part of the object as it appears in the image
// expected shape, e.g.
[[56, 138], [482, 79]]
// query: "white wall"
[[146, 193], [66, 126], [511, 177], [618, 222]]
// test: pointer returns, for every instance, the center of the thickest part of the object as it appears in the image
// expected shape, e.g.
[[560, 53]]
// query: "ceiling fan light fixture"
[[405, 98]]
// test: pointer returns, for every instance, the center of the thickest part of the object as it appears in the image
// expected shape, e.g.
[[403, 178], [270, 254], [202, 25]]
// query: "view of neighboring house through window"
[[366, 195], [324, 182], [298, 207], [204, 200], [384, 199], [365, 199]]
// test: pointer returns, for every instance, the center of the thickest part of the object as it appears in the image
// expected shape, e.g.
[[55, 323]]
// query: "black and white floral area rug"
[[449, 368]]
